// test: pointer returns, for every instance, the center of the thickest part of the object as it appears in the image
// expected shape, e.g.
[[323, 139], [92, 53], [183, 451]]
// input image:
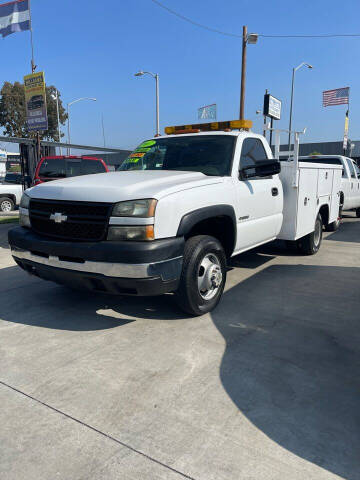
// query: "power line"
[[228, 34], [210, 29], [325, 35]]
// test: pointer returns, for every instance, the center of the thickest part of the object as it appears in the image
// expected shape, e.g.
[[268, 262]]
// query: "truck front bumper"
[[131, 268]]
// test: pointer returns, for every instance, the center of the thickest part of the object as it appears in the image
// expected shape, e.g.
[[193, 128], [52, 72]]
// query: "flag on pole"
[[339, 96], [14, 17]]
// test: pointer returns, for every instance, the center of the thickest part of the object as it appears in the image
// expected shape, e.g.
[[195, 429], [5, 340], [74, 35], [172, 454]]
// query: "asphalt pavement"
[[266, 387]]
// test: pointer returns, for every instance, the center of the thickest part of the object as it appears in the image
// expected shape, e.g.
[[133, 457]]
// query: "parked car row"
[[49, 168]]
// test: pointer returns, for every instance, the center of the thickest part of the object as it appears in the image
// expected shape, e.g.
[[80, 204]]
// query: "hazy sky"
[[93, 48]]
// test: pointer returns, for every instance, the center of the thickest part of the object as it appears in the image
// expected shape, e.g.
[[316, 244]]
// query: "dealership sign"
[[207, 112], [35, 100], [272, 107]]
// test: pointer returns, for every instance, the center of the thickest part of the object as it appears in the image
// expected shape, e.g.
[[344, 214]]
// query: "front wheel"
[[310, 244], [203, 275]]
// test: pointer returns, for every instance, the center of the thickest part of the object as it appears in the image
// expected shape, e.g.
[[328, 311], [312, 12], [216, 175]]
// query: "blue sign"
[[207, 113]]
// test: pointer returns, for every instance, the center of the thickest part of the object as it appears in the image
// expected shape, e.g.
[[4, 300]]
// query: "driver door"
[[259, 200]]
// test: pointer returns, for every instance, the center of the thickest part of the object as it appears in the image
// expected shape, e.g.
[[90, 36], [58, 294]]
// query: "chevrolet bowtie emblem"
[[58, 217]]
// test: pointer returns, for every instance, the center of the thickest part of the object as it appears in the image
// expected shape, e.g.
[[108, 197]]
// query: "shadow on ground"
[[56, 307], [292, 360], [349, 231], [4, 228]]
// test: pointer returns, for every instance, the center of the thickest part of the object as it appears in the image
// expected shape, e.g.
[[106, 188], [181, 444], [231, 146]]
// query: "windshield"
[[72, 167], [209, 154]]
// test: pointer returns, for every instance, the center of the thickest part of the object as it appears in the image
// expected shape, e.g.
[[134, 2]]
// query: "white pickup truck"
[[180, 206], [10, 196], [350, 182]]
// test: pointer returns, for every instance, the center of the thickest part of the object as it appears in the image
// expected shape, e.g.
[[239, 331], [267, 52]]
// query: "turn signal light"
[[213, 126]]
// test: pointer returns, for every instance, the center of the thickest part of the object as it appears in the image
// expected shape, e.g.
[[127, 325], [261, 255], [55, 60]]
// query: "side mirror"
[[262, 168]]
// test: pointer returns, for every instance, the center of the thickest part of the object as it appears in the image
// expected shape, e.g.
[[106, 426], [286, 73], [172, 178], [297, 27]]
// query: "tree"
[[13, 112]]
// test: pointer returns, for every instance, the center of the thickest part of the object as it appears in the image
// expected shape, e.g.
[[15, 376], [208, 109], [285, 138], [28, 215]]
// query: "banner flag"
[[35, 100], [14, 17]]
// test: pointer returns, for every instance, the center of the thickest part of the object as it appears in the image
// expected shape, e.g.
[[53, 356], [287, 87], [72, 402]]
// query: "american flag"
[[339, 96]]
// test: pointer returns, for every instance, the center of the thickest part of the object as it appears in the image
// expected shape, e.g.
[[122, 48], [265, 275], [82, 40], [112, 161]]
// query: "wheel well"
[[220, 227], [341, 198], [324, 212], [8, 195]]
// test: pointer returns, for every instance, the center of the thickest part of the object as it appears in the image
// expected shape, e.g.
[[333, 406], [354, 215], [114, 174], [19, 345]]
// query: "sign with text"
[[207, 112], [272, 107], [35, 100]]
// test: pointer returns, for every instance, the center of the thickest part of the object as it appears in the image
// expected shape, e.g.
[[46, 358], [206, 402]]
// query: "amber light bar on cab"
[[213, 126]]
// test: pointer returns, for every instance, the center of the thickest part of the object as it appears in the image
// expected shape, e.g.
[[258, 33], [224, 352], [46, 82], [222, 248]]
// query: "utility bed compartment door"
[[325, 182], [307, 201]]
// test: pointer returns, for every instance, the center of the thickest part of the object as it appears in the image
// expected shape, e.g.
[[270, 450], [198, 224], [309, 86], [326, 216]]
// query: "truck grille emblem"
[[58, 217]]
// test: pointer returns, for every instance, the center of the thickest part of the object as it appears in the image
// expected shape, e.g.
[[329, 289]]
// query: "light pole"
[[248, 38], [68, 114], [55, 96], [303, 64], [156, 76]]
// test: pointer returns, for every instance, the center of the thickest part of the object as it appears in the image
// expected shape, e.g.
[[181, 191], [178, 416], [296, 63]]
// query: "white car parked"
[[10, 195], [350, 182]]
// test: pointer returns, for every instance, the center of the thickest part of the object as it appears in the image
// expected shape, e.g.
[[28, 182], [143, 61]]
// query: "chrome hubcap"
[[5, 206], [209, 276]]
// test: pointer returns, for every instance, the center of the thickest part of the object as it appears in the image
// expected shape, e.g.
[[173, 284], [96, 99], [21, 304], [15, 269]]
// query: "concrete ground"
[[267, 387]]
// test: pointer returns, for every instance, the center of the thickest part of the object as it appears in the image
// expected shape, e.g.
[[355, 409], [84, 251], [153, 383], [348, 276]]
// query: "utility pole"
[[243, 73]]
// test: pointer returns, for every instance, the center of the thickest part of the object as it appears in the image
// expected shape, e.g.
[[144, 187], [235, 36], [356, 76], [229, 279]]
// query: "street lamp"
[[303, 64], [68, 114], [55, 96], [251, 39], [156, 76]]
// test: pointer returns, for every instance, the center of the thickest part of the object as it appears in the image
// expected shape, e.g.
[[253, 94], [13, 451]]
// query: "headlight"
[[24, 219], [138, 232], [135, 208], [25, 201]]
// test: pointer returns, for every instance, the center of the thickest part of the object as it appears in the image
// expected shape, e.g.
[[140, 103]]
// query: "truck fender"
[[12, 196], [191, 219]]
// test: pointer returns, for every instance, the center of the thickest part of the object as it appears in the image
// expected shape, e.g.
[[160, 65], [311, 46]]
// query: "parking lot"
[[266, 387]]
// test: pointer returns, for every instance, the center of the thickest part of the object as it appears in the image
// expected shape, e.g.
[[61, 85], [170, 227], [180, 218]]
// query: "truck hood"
[[118, 186]]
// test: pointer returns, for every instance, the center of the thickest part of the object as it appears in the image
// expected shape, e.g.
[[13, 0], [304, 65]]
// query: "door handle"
[[274, 192]]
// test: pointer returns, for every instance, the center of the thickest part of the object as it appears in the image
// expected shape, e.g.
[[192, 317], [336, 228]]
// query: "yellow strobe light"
[[213, 126]]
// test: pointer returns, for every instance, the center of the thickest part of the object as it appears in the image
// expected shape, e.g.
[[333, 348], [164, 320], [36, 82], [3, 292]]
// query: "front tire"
[[310, 244], [203, 275], [6, 204]]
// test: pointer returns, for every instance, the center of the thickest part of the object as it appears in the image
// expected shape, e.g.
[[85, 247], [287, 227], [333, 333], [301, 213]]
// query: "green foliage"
[[315, 153], [13, 112]]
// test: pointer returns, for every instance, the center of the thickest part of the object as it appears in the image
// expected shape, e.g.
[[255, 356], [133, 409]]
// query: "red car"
[[54, 168]]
